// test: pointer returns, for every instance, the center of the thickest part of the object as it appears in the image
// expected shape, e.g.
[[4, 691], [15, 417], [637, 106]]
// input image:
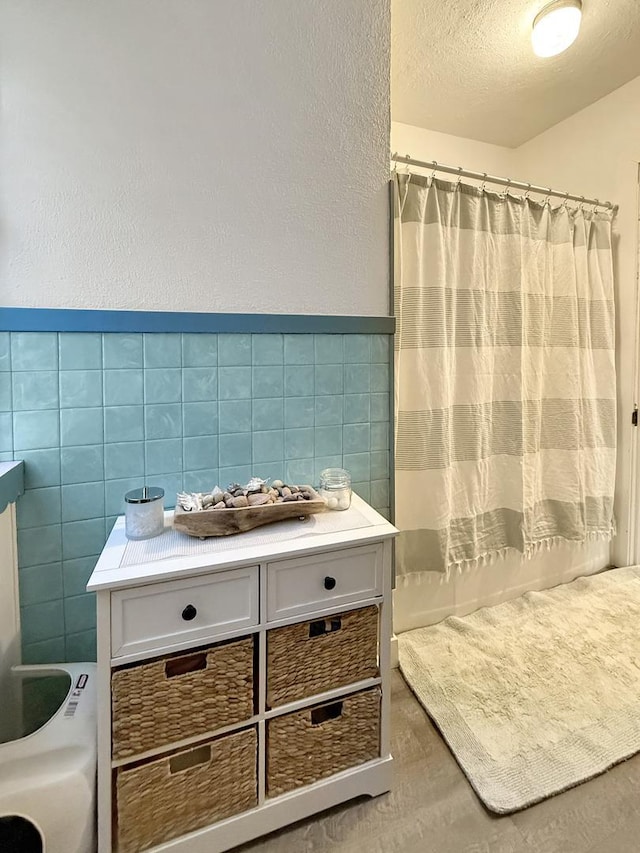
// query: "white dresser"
[[243, 681]]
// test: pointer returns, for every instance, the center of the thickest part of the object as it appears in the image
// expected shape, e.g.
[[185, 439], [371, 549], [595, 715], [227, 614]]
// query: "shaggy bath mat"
[[538, 694]]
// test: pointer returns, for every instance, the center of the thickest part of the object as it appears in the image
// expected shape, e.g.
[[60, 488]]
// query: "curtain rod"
[[505, 182]]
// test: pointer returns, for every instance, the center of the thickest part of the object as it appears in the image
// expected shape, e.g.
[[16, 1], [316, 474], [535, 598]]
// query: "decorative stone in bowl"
[[242, 508]]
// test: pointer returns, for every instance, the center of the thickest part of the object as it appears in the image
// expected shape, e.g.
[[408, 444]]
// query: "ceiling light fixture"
[[556, 27]]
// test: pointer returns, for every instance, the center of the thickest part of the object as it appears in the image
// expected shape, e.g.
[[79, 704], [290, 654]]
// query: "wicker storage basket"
[[180, 696], [314, 743], [167, 797], [311, 657]]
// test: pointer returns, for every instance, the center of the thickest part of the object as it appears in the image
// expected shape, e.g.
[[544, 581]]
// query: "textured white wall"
[[196, 155], [423, 144], [596, 153]]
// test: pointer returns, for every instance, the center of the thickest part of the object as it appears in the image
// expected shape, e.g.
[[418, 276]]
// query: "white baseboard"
[[394, 652]]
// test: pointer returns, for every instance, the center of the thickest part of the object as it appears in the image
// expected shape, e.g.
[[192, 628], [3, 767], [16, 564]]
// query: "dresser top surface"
[[172, 554]]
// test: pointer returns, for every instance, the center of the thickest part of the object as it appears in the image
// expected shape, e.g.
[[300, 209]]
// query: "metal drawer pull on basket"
[[187, 760], [321, 627], [327, 712], [183, 665]]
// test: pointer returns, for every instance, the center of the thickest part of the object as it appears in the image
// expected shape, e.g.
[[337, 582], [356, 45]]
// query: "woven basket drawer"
[[179, 696], [309, 745], [167, 797], [322, 654]]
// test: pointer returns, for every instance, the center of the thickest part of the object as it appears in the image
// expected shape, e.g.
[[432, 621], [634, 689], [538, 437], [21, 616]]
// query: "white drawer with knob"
[[331, 579], [190, 610]]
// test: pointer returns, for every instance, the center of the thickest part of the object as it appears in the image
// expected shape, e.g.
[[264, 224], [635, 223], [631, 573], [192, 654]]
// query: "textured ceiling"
[[466, 67]]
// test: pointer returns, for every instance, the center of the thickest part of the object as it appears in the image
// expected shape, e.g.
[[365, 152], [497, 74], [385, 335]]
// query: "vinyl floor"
[[433, 809]]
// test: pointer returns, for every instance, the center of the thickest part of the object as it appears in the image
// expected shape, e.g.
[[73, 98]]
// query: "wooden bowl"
[[225, 522]]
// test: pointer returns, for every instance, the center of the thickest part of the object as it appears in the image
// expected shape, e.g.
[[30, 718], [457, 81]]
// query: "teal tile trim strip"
[[78, 320], [11, 483]]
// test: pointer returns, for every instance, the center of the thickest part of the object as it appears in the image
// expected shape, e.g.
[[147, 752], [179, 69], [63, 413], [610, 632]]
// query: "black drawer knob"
[[329, 582], [189, 613]]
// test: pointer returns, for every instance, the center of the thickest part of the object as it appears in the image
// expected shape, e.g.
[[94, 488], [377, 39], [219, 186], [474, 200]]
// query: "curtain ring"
[[484, 181], [548, 196], [435, 168], [566, 199], [506, 189], [459, 176], [526, 195], [581, 205]]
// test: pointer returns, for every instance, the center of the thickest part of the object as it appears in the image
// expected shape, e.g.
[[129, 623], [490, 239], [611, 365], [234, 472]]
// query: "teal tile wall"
[[94, 415]]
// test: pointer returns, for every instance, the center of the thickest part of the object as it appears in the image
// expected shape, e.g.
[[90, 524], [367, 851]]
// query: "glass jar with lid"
[[144, 512], [335, 488]]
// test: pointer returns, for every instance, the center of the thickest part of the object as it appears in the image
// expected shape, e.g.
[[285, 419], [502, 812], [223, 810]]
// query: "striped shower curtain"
[[505, 384]]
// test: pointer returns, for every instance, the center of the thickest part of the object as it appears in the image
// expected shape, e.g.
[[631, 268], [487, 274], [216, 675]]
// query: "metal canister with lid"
[[144, 512]]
